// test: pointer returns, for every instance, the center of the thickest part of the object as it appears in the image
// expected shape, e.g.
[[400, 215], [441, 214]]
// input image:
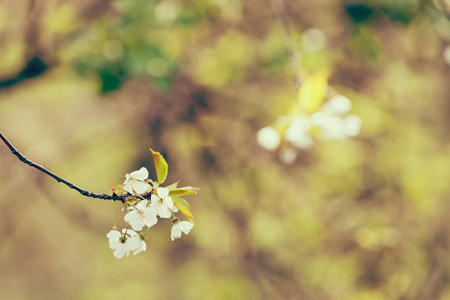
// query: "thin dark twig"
[[83, 192], [280, 12]]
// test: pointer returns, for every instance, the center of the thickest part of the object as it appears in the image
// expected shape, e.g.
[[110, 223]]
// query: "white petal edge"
[[127, 186], [113, 234], [140, 174], [185, 226], [162, 192], [175, 232], [141, 187], [119, 252], [142, 247]]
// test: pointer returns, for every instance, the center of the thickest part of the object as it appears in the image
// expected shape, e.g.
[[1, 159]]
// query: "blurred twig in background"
[[280, 13]]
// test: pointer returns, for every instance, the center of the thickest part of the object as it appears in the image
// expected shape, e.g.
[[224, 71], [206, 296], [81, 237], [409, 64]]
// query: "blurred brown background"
[[86, 87]]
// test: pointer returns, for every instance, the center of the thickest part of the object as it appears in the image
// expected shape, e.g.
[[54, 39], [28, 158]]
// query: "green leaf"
[[187, 190], [312, 92], [172, 186], [160, 165], [183, 206], [182, 202]]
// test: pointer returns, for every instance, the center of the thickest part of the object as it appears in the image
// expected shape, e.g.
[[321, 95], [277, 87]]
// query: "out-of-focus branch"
[[280, 12], [83, 192], [440, 6]]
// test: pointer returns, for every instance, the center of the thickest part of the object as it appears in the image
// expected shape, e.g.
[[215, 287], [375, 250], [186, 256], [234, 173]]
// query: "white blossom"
[[338, 105], [333, 127], [134, 184], [353, 125], [333, 123], [288, 155], [136, 239], [178, 227], [123, 243], [162, 204], [140, 215], [298, 132], [268, 138]]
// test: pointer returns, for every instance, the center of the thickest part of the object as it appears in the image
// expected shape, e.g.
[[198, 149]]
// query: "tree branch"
[[59, 179]]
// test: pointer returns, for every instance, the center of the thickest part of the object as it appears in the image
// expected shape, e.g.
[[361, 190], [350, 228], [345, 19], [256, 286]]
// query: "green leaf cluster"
[[174, 192]]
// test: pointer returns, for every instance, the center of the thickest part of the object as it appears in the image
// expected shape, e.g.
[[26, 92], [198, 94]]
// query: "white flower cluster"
[[141, 212], [123, 243], [331, 122]]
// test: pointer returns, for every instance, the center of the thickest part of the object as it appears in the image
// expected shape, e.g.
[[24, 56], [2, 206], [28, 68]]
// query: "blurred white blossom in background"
[[314, 39], [268, 138], [446, 55], [298, 131]]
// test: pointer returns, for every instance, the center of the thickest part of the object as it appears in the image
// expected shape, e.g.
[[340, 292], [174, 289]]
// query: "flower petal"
[[167, 201], [113, 234], [162, 192], [140, 174], [141, 187], [150, 218], [142, 247], [164, 212], [185, 226], [141, 205], [132, 243], [135, 220], [127, 186], [175, 233], [132, 232], [119, 252], [154, 199]]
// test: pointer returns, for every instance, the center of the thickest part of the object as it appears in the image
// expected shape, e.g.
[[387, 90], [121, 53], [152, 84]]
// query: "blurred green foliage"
[[88, 86]]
